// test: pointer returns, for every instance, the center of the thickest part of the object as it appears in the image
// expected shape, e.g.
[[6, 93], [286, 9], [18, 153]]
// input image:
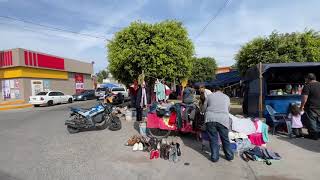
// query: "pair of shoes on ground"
[[137, 147], [154, 154]]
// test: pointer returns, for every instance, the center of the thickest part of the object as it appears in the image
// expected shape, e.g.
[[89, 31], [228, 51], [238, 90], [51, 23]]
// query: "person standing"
[[204, 90], [217, 120], [133, 90], [141, 101], [310, 104], [188, 94]]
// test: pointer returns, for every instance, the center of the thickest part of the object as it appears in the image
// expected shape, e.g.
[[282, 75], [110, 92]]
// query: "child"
[[296, 123]]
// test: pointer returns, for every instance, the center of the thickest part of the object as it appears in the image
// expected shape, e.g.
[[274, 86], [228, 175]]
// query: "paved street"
[[35, 145]]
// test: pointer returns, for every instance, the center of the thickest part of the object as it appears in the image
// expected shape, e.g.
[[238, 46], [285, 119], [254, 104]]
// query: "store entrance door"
[[36, 86]]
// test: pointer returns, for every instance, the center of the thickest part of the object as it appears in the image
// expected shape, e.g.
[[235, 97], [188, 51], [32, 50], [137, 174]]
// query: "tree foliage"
[[203, 69], [161, 50], [102, 75], [280, 48]]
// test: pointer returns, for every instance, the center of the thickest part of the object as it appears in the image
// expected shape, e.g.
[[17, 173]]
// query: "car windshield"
[[42, 93]]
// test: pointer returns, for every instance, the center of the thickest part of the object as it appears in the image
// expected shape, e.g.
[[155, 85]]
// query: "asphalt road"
[[34, 144]]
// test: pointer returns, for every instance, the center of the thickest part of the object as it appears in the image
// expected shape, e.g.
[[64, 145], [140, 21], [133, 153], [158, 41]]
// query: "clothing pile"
[[174, 115], [157, 148], [239, 142], [255, 129], [260, 154]]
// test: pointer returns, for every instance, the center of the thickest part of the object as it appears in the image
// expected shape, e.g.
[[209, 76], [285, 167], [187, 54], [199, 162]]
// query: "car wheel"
[[70, 100], [50, 103], [36, 105]]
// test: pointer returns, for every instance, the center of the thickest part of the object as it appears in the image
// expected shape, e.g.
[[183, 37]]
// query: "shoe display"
[[178, 149], [152, 153], [140, 147], [156, 154], [135, 147]]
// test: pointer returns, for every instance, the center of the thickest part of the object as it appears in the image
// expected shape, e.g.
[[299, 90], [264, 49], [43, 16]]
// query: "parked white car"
[[50, 98], [122, 90]]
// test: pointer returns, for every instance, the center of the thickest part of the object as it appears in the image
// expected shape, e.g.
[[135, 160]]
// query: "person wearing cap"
[[310, 104]]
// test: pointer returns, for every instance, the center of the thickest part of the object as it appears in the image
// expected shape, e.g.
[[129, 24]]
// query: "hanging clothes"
[[167, 91], [143, 98], [160, 90]]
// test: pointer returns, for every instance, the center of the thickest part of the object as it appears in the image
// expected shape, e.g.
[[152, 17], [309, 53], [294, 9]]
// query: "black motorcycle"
[[99, 116]]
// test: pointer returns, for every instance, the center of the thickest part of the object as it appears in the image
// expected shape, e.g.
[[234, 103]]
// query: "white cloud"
[[245, 20], [238, 23], [16, 34]]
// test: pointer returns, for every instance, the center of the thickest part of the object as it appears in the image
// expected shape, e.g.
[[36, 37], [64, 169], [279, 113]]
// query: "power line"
[[28, 28], [214, 17], [53, 28]]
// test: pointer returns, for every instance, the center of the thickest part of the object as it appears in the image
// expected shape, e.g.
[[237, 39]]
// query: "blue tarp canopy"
[[222, 79], [109, 85], [227, 78]]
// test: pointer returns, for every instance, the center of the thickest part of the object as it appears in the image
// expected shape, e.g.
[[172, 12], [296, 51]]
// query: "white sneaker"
[[140, 147], [135, 147]]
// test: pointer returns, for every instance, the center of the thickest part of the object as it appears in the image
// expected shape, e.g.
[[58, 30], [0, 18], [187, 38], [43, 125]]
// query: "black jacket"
[[139, 96]]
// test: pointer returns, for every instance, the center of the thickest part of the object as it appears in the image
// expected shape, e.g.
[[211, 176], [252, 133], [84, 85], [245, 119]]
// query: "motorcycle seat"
[[76, 109]]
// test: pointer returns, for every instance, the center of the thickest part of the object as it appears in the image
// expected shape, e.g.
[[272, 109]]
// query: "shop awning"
[[225, 79], [222, 79]]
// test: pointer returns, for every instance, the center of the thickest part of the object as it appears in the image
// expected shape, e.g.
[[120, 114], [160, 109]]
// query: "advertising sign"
[[46, 85], [79, 82], [6, 89], [36, 86], [16, 84]]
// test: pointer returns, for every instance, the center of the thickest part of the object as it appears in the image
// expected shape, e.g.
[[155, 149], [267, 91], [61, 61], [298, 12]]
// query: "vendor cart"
[[277, 85], [160, 127]]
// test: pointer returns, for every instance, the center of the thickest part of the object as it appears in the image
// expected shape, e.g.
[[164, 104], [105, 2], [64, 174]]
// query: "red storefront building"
[[24, 73]]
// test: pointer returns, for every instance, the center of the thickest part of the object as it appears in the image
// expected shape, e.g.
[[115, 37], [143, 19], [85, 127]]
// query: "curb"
[[15, 107], [5, 103]]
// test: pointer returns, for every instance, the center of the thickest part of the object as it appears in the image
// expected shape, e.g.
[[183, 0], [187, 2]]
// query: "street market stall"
[[278, 85]]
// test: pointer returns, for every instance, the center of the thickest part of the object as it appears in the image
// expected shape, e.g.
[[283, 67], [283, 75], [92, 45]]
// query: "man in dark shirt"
[[310, 103]]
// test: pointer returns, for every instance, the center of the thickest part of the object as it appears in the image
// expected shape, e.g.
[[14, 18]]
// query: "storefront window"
[[10, 89]]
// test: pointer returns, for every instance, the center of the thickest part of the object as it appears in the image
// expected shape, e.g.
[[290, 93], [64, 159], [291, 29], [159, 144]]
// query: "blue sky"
[[238, 23]]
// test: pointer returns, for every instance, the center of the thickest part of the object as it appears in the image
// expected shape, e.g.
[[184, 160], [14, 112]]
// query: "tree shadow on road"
[[307, 144]]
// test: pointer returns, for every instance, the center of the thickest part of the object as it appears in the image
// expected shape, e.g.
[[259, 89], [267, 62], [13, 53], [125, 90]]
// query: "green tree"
[[203, 69], [102, 75], [161, 50], [280, 48]]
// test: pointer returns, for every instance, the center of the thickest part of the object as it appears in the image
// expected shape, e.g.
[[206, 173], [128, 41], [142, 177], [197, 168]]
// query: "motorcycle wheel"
[[72, 130], [115, 123], [101, 125]]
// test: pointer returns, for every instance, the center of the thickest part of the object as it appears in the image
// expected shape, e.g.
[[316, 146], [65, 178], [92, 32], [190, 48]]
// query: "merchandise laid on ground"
[[248, 136], [157, 148]]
